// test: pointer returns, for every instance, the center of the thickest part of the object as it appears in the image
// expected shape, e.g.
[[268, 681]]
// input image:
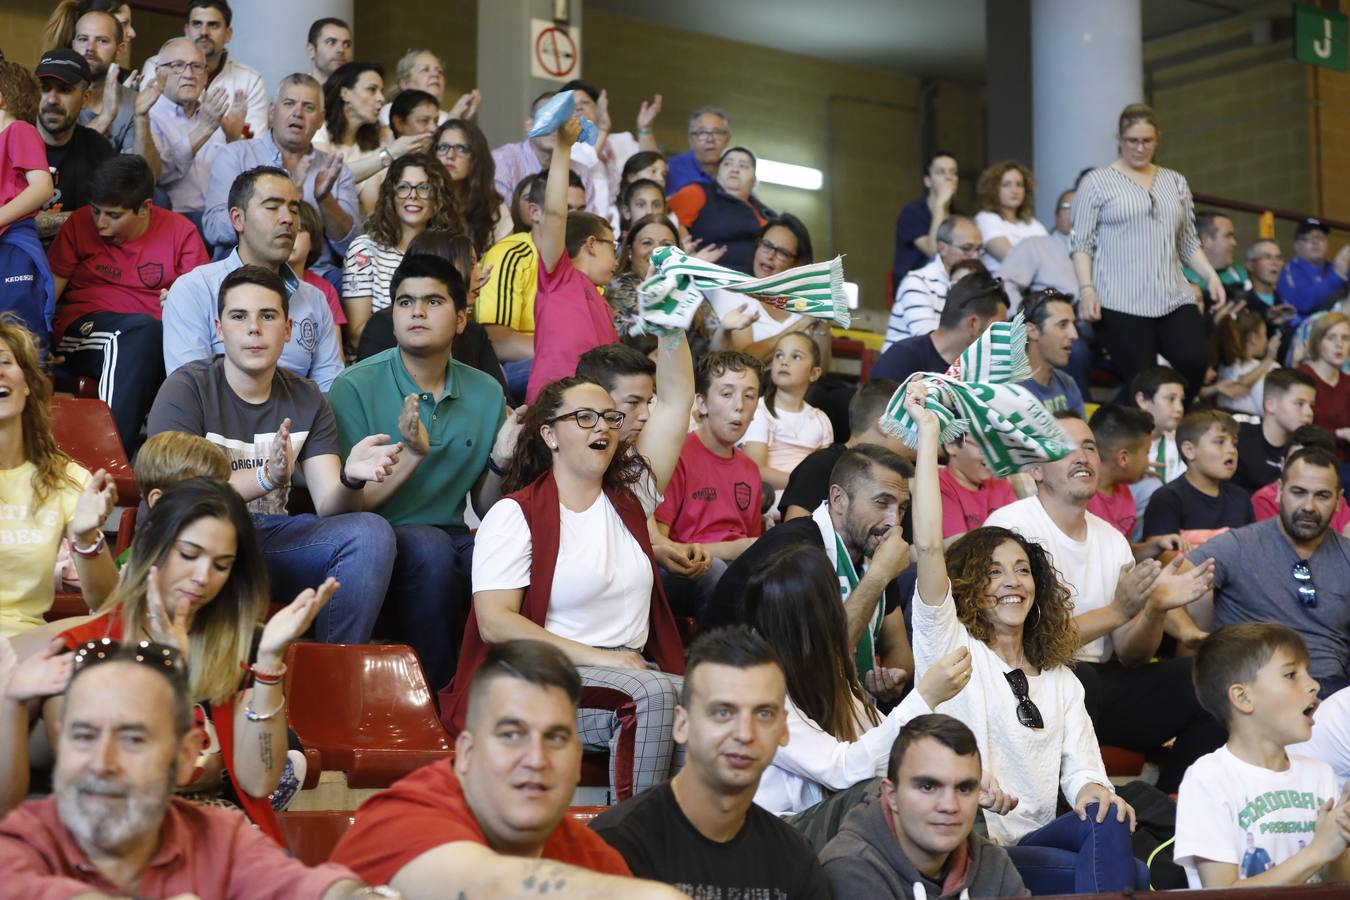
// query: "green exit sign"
[[1320, 37]]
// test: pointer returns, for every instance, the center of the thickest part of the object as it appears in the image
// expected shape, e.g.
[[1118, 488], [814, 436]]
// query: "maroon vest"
[[539, 504]]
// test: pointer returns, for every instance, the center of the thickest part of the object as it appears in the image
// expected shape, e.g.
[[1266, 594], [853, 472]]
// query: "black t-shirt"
[[1177, 505], [809, 483], [75, 162], [767, 859], [904, 358], [1258, 462]]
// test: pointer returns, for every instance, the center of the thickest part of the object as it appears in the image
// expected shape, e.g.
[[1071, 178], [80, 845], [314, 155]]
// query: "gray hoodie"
[[864, 860]]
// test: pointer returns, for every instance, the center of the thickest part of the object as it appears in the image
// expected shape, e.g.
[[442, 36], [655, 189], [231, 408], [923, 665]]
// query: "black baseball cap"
[[1308, 225], [64, 65]]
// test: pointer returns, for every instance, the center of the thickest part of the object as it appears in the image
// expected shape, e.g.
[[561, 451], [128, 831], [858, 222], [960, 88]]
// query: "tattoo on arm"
[[265, 749], [544, 878]]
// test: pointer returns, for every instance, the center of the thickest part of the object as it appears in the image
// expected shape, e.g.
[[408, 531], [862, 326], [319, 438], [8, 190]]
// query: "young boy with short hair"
[[173, 456], [1250, 811], [1287, 404], [1123, 435], [713, 499], [1161, 392], [1202, 499], [970, 492]]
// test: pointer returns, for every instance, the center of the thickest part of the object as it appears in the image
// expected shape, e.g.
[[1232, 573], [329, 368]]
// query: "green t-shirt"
[[367, 399], [1233, 275]]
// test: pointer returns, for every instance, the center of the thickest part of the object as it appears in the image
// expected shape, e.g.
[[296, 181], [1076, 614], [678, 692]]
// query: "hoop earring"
[[1035, 611]]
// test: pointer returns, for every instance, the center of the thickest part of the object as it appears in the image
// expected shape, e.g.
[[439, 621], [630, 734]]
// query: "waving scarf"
[[978, 397], [673, 290]]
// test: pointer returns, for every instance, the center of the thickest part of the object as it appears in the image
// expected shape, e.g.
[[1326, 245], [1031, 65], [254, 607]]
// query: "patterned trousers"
[[641, 757]]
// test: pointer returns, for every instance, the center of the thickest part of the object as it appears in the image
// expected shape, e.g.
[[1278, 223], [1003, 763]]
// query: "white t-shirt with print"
[[1090, 567], [602, 584], [1230, 811], [1330, 740], [992, 226]]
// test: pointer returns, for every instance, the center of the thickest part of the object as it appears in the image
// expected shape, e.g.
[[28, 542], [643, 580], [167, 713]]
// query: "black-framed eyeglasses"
[[445, 149], [1040, 298], [1307, 591], [781, 253], [586, 417], [147, 653], [1027, 713], [178, 65], [709, 134], [403, 190]]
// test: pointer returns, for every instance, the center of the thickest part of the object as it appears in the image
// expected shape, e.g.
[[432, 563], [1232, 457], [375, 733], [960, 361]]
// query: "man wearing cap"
[[1309, 282], [73, 151]]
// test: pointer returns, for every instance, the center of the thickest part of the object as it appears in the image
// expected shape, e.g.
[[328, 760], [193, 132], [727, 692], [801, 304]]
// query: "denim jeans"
[[430, 593], [517, 378], [355, 548], [1070, 856]]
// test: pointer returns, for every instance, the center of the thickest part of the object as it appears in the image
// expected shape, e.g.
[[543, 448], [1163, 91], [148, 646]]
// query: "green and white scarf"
[[673, 290], [865, 653], [978, 397]]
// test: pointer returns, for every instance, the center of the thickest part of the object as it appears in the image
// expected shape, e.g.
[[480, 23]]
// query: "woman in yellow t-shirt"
[[44, 495]]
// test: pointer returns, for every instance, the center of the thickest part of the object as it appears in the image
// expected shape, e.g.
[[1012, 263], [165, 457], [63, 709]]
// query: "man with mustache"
[[73, 151], [1121, 606], [858, 527], [264, 208], [112, 826], [1292, 569]]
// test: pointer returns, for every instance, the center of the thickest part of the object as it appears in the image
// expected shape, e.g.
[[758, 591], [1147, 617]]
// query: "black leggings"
[[1134, 343]]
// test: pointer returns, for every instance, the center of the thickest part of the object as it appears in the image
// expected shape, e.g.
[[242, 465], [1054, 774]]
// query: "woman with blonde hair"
[[1006, 193], [44, 495], [1328, 350]]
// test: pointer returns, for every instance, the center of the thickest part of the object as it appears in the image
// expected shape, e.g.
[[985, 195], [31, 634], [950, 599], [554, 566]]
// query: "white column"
[[269, 35], [1086, 66]]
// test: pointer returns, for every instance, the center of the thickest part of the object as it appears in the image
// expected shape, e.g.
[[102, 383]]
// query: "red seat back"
[[85, 429], [365, 709], [313, 834]]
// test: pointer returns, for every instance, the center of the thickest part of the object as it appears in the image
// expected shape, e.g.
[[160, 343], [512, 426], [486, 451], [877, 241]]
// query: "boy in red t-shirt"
[[970, 492], [713, 499], [25, 184], [576, 257], [1123, 435], [114, 261]]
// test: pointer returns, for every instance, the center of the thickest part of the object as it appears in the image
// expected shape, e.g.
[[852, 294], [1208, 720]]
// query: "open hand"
[[742, 316], [232, 123], [1134, 585], [372, 459], [602, 119], [167, 622], [325, 178], [1175, 588], [44, 674], [94, 506], [411, 428], [215, 106], [467, 105], [504, 447], [294, 619], [648, 112], [281, 460], [945, 678], [146, 96]]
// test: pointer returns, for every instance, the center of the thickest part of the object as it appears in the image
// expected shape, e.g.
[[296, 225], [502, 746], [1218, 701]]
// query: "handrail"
[[1288, 215]]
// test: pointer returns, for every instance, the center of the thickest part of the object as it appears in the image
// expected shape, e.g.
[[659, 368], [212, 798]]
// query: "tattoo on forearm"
[[544, 878], [265, 749]]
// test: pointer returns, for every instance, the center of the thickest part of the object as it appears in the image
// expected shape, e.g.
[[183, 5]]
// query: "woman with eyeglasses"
[[1007, 195], [998, 595], [463, 149], [195, 582], [415, 197], [725, 213], [566, 559], [1133, 227]]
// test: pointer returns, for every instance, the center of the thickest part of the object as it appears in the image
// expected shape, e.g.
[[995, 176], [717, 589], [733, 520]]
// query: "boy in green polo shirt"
[[449, 415]]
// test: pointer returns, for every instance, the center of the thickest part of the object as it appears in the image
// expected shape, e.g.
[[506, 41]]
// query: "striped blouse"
[[1137, 239]]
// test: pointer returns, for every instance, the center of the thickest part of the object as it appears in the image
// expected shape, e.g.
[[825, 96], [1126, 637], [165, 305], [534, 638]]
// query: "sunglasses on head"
[[1027, 713], [147, 653], [1041, 298]]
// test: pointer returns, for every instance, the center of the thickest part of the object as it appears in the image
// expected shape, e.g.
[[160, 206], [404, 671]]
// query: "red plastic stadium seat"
[[1122, 763], [363, 709], [584, 814], [85, 429], [313, 834], [67, 605], [595, 765], [76, 385]]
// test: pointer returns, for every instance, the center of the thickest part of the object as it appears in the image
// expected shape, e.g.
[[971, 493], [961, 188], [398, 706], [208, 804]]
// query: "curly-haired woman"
[[1005, 603], [1007, 196]]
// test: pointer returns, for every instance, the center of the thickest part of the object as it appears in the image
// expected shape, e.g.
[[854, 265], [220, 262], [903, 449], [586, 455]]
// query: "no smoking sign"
[[555, 50]]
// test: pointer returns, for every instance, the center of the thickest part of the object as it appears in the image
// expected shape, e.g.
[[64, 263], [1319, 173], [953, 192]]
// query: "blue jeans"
[[517, 378], [1070, 856], [430, 593], [355, 548]]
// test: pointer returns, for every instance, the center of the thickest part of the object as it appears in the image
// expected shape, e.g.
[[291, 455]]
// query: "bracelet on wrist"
[[495, 469], [386, 158], [644, 131], [263, 481], [264, 676], [92, 550], [263, 717], [350, 484]]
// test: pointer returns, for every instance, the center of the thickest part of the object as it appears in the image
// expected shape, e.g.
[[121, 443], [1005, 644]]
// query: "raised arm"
[[663, 436], [926, 502], [552, 236]]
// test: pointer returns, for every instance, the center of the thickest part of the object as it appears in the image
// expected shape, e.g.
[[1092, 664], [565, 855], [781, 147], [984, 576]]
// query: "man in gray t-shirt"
[[1291, 569]]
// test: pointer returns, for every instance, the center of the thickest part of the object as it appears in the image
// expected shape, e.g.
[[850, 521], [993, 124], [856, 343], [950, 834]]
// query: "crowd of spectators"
[[379, 382]]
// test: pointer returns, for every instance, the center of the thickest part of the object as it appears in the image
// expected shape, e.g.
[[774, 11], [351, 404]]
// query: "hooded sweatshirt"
[[864, 860]]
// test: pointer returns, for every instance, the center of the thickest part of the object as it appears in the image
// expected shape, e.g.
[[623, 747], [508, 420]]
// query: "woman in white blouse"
[[1007, 196], [1005, 604], [838, 742]]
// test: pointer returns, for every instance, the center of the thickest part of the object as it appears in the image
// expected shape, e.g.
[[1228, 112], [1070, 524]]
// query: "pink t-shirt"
[[964, 509], [570, 317], [121, 278], [21, 151], [711, 498], [1118, 509], [329, 294], [1266, 505]]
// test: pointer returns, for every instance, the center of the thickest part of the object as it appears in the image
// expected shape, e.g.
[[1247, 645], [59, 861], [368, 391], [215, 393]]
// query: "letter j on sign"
[[1320, 37]]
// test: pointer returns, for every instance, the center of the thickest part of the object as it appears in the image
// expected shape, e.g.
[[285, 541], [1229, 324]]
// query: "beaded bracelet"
[[263, 481], [263, 717]]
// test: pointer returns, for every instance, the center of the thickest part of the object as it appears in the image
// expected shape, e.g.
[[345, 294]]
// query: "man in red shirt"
[[113, 827], [492, 823], [113, 262]]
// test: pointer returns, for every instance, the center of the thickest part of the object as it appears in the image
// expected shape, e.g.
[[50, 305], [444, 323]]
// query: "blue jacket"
[[1307, 287]]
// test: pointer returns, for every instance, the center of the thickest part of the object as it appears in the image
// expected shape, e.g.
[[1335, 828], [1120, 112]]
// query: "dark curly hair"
[[532, 457], [477, 195], [1050, 638], [383, 224]]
